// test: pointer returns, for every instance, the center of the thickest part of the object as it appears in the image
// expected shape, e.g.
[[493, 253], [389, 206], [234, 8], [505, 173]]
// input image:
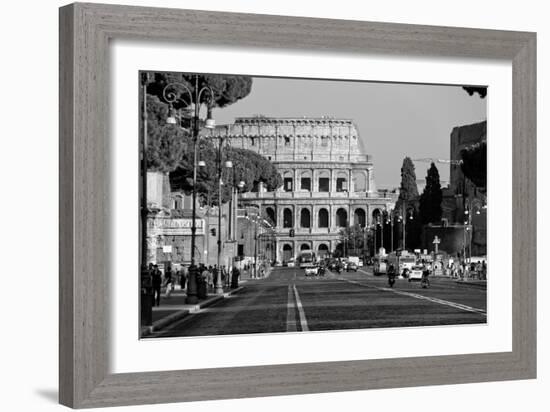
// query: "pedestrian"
[[466, 271], [205, 275], [235, 278], [478, 270], [157, 284], [182, 277], [210, 278], [425, 282], [223, 274], [168, 282], [453, 270], [215, 272]]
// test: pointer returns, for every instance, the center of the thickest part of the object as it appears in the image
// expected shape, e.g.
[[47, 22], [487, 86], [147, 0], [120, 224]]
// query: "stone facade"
[[169, 227], [328, 184], [463, 194]]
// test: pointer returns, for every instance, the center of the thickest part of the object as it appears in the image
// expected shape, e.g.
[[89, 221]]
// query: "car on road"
[[291, 263], [312, 270], [415, 273], [352, 266]]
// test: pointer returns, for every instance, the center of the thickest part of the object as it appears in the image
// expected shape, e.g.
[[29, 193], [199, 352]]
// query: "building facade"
[[169, 225], [328, 183]]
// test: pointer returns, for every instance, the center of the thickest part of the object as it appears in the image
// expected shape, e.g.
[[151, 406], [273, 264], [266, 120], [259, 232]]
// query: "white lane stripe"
[[290, 312], [303, 321], [430, 299]]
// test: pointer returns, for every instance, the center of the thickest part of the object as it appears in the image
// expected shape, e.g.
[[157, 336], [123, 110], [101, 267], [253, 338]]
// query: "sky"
[[394, 120]]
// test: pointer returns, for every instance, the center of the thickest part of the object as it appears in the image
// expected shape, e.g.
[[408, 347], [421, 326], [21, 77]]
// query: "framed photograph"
[[257, 205]]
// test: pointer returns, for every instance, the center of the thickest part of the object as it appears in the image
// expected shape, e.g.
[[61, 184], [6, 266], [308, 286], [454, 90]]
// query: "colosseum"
[[328, 182]]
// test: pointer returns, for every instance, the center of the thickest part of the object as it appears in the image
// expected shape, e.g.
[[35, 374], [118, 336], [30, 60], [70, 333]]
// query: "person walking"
[[168, 282], [157, 284], [205, 274], [235, 278], [182, 277], [214, 277]]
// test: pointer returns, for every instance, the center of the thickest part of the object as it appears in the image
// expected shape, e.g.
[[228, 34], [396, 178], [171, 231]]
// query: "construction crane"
[[433, 160]]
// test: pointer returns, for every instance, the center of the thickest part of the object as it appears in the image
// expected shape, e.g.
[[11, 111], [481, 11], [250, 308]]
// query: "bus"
[[306, 260], [402, 261], [379, 265]]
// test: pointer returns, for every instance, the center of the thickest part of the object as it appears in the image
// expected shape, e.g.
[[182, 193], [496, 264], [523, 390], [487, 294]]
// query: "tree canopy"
[[166, 143], [248, 166], [407, 204], [227, 88], [482, 91], [408, 190], [170, 147], [431, 198]]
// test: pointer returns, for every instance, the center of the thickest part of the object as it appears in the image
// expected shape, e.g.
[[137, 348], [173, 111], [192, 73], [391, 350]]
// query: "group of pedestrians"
[[209, 275], [472, 270], [206, 280]]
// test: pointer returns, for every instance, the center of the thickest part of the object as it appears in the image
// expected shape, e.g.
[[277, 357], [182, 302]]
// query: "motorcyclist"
[[391, 275], [425, 282]]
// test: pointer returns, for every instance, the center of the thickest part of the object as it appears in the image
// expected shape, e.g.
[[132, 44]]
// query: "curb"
[[174, 317], [472, 284]]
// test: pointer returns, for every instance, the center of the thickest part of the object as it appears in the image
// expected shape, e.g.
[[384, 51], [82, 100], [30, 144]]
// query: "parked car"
[[291, 263]]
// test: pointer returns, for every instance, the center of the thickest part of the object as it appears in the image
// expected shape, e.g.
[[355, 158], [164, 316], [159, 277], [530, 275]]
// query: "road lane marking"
[[290, 312], [422, 297], [303, 321]]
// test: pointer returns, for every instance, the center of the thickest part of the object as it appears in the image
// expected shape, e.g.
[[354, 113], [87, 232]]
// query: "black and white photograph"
[[275, 205]]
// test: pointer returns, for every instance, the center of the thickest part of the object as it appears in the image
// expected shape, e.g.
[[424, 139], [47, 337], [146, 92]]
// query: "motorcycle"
[[424, 282], [391, 277]]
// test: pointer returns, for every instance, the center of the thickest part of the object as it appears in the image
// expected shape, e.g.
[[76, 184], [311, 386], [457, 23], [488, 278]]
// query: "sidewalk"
[[174, 308]]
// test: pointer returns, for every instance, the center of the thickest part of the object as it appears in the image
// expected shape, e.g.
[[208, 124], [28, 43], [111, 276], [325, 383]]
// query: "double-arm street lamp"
[[229, 165], [471, 207], [391, 218], [403, 218], [259, 223], [173, 94]]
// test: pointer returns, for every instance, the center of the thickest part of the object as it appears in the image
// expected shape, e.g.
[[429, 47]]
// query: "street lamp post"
[[172, 96], [471, 208], [391, 217], [382, 222], [228, 164], [404, 226], [374, 238], [145, 278]]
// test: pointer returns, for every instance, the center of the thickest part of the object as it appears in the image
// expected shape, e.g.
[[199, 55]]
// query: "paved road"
[[288, 301]]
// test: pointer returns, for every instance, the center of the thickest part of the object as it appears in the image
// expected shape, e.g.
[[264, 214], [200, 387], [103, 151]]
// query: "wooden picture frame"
[[85, 31]]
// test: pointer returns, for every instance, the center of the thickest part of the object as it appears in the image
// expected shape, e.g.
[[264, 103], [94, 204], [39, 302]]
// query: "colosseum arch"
[[305, 218], [360, 217], [288, 181], [341, 217], [342, 184], [323, 181], [305, 246], [359, 181], [306, 181], [322, 218], [288, 219], [270, 213], [322, 250]]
